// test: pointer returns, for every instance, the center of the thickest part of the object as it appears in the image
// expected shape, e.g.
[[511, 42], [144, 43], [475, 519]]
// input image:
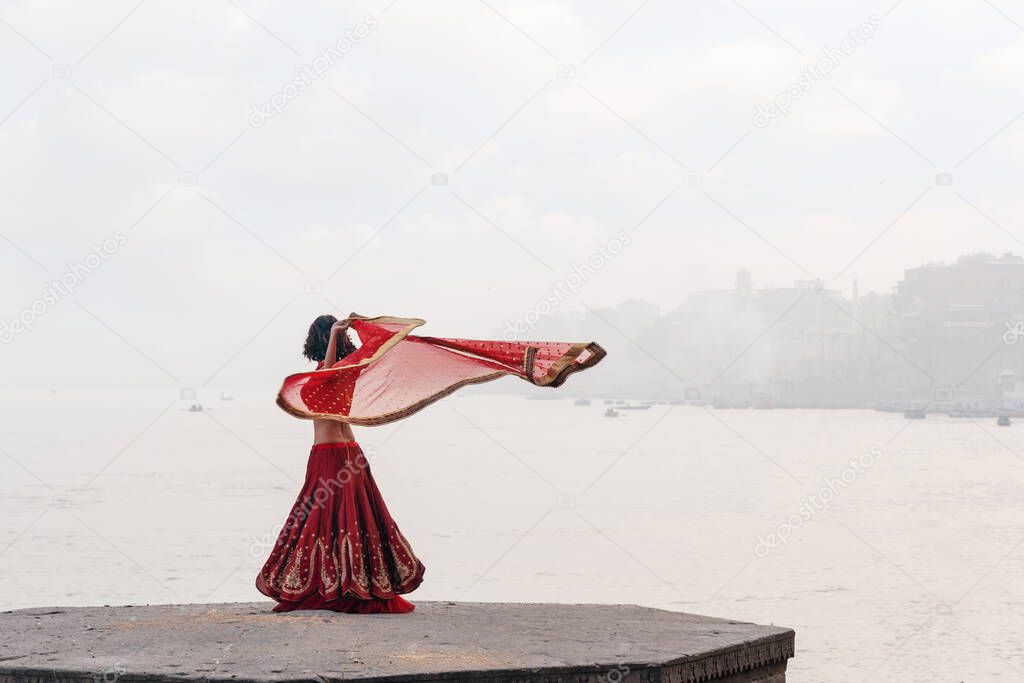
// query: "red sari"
[[340, 549], [395, 374]]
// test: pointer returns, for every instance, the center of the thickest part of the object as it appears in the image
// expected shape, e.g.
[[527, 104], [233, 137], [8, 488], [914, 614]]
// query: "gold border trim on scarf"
[[529, 360], [554, 377]]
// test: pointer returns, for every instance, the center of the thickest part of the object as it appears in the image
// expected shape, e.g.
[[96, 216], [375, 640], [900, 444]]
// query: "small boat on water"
[[1003, 421], [611, 412], [973, 413], [581, 402]]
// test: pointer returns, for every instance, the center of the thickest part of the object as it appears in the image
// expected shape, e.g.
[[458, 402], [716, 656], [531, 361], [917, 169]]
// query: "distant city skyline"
[[945, 333]]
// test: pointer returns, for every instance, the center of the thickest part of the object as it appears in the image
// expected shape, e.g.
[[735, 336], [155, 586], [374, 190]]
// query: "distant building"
[[952, 319], [977, 281]]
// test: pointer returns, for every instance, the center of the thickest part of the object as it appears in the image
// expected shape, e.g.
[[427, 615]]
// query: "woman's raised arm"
[[338, 328]]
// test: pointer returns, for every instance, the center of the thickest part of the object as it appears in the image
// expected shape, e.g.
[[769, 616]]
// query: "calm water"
[[915, 572]]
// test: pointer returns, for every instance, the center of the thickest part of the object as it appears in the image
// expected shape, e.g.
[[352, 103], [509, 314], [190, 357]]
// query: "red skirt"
[[339, 549]]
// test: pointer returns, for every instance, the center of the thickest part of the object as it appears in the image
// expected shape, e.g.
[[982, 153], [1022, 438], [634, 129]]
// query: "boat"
[[581, 402], [1003, 421], [611, 412], [973, 413]]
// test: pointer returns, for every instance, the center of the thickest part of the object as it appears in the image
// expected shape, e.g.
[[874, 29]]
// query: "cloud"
[[558, 162]]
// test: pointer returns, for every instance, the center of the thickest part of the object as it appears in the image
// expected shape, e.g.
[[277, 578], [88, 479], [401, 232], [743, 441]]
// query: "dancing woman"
[[340, 549]]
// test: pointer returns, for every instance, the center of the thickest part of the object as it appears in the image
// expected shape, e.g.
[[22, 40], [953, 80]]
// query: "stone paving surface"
[[439, 641]]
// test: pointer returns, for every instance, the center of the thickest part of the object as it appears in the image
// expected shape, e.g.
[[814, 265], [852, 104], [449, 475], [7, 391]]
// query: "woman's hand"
[[340, 326]]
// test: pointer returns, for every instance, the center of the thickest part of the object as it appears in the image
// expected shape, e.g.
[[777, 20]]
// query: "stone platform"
[[440, 641]]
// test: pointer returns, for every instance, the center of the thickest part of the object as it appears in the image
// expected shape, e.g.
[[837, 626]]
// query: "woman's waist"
[[331, 431], [333, 458], [336, 446]]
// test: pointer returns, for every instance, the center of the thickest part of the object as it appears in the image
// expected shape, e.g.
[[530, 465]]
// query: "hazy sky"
[[557, 124]]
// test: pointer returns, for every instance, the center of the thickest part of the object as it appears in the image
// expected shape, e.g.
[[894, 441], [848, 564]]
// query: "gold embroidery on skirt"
[[273, 580], [359, 571], [405, 571], [345, 554], [293, 578], [381, 580], [328, 575]]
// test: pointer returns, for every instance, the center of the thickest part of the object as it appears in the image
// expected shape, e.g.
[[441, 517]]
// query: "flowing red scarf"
[[394, 373]]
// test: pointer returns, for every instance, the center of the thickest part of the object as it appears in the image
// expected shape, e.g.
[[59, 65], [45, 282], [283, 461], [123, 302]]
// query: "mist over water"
[[503, 498]]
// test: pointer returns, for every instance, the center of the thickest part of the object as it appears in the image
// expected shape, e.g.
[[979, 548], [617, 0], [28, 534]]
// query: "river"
[[905, 564]]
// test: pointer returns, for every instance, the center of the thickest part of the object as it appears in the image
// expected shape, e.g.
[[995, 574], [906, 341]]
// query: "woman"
[[339, 548]]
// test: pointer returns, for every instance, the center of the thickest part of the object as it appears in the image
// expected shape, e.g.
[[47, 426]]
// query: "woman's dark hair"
[[318, 337]]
